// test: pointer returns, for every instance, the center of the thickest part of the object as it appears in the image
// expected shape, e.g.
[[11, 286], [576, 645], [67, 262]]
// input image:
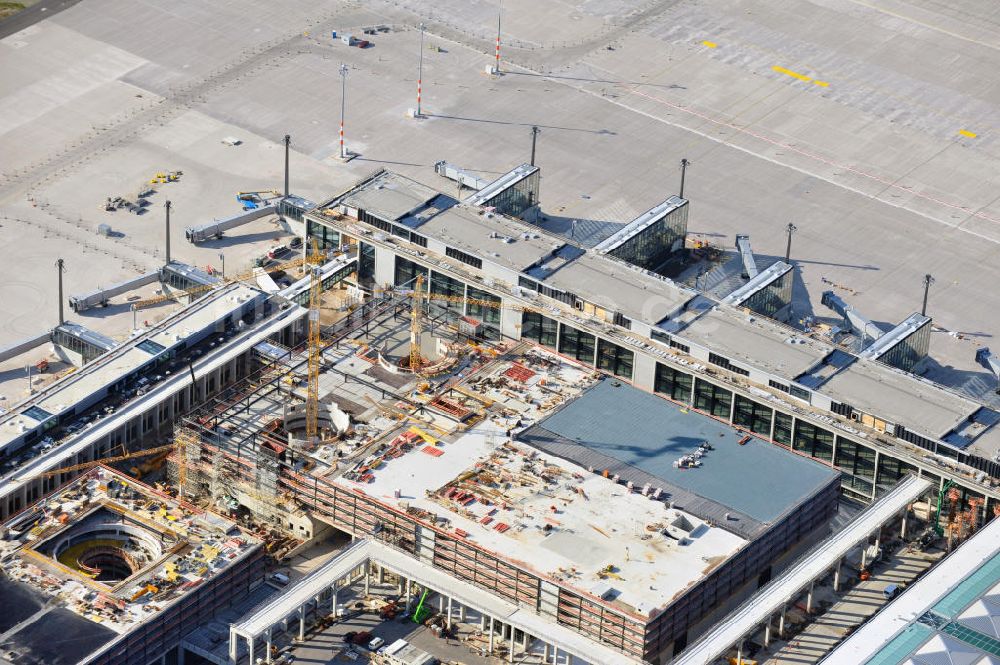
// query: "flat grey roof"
[[390, 196], [469, 229], [619, 287], [987, 444], [649, 433], [755, 341], [898, 397]]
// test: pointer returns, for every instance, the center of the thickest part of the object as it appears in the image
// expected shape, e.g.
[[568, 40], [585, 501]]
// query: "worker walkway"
[[773, 599], [356, 560]]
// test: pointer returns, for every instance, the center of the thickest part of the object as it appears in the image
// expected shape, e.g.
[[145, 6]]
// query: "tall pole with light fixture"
[[343, 107]]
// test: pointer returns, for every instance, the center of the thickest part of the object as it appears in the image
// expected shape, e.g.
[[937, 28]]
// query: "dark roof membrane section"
[[756, 478]]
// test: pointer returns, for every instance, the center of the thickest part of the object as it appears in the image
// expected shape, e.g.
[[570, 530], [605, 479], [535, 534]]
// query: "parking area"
[[363, 618]]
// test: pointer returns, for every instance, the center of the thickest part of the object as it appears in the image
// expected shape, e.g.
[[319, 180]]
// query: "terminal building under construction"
[[559, 438]]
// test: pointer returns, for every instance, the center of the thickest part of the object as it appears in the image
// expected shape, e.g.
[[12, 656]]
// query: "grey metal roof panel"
[[639, 435]]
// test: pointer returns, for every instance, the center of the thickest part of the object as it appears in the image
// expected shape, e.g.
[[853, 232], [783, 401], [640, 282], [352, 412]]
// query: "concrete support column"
[[902, 527], [878, 539], [739, 652], [234, 646], [781, 622], [510, 649], [836, 576], [408, 592], [302, 623], [525, 638], [267, 646], [482, 622], [381, 574], [809, 598], [864, 553], [461, 613], [555, 654], [491, 635], [180, 655], [545, 653], [250, 642], [767, 633], [333, 602], [368, 578]]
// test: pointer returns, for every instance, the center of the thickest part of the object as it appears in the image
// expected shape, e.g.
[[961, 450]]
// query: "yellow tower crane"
[[415, 359], [315, 353], [104, 460], [315, 343], [417, 295]]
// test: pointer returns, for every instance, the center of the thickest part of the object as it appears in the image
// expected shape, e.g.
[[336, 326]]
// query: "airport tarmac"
[[870, 126]]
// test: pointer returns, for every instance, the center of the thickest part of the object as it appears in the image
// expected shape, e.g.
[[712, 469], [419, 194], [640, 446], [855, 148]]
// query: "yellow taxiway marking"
[[709, 44], [801, 77], [966, 132], [789, 72]]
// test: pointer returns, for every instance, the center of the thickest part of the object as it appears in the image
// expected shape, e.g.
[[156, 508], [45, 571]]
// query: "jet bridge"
[[990, 361], [905, 346], [854, 321], [460, 175], [746, 255]]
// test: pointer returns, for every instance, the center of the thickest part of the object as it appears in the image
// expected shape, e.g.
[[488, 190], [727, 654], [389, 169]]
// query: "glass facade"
[[712, 399], [673, 383], [813, 441], [858, 464], [540, 329], [490, 316], [783, 428], [443, 285], [577, 344], [657, 243], [326, 237], [911, 350], [87, 350], [518, 197], [366, 263], [889, 473], [753, 416], [613, 358], [407, 271], [772, 298], [469, 259]]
